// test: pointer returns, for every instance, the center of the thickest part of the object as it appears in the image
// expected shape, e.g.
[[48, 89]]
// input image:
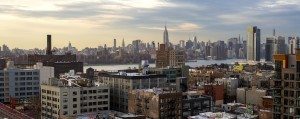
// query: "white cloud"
[[180, 27]]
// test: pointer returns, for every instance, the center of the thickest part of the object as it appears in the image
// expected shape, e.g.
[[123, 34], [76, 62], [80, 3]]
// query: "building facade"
[[20, 84], [286, 88], [253, 43], [156, 103], [166, 56], [61, 100], [121, 83]]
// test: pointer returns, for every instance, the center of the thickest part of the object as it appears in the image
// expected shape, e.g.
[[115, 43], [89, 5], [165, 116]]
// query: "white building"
[[251, 96], [21, 84], [72, 96]]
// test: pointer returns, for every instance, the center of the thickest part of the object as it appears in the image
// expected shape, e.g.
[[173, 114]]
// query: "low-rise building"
[[216, 91], [121, 83], [21, 83], [251, 96], [156, 103], [72, 96], [194, 103]]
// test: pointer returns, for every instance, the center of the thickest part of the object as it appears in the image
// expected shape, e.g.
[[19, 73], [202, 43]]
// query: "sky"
[[90, 23]]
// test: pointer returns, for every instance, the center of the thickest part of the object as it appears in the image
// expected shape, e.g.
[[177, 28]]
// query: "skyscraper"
[[166, 37], [123, 43], [253, 43], [269, 48]]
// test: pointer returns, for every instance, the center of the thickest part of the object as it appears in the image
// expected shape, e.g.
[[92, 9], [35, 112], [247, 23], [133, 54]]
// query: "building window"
[[74, 93], [65, 94], [22, 73], [28, 73], [65, 113], [74, 99], [74, 105], [65, 106], [65, 100]]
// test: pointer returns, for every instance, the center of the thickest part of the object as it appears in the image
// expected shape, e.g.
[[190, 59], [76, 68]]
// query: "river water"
[[191, 64]]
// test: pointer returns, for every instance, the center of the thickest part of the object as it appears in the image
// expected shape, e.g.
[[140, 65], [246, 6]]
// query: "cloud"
[[178, 27]]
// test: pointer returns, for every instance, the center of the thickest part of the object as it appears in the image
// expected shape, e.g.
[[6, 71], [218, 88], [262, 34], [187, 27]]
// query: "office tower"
[[166, 56], [136, 46], [166, 37], [123, 43], [280, 45], [195, 43], [269, 48], [189, 44], [73, 97], [21, 84], [286, 87], [293, 43], [253, 43], [274, 32], [243, 54]]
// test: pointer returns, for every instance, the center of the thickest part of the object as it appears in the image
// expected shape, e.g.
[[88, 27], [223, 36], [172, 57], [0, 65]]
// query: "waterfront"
[[191, 64]]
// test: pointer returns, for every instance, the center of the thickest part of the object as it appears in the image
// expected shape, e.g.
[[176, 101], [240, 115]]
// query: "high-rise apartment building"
[[269, 48], [253, 43], [286, 88]]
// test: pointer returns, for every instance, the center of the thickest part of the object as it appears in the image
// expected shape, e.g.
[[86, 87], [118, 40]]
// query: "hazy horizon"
[[25, 24]]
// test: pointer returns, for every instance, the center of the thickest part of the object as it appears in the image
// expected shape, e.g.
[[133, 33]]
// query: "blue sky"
[[89, 23]]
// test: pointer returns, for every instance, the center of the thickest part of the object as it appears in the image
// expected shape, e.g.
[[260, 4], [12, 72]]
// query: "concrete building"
[[20, 84], [166, 56], [286, 88], [269, 49], [251, 96], [216, 91], [156, 103], [121, 83], [72, 97], [230, 85], [194, 103], [253, 43]]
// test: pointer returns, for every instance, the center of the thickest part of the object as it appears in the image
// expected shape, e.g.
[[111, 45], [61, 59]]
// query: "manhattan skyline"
[[90, 24]]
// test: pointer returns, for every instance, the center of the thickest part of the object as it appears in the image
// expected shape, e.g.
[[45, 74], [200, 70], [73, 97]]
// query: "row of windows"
[[26, 73], [94, 97], [27, 83], [28, 88], [26, 78], [94, 109], [28, 94], [94, 91], [94, 103], [50, 92]]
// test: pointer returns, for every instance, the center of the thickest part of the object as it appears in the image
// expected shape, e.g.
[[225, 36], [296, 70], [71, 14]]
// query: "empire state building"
[[166, 37]]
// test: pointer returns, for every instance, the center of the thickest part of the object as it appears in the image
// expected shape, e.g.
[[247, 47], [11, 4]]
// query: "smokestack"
[[48, 52]]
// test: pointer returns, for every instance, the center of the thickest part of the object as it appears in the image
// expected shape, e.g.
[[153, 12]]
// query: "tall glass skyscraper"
[[253, 43]]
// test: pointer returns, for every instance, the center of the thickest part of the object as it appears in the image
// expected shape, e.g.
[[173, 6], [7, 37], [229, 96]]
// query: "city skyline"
[[94, 23]]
